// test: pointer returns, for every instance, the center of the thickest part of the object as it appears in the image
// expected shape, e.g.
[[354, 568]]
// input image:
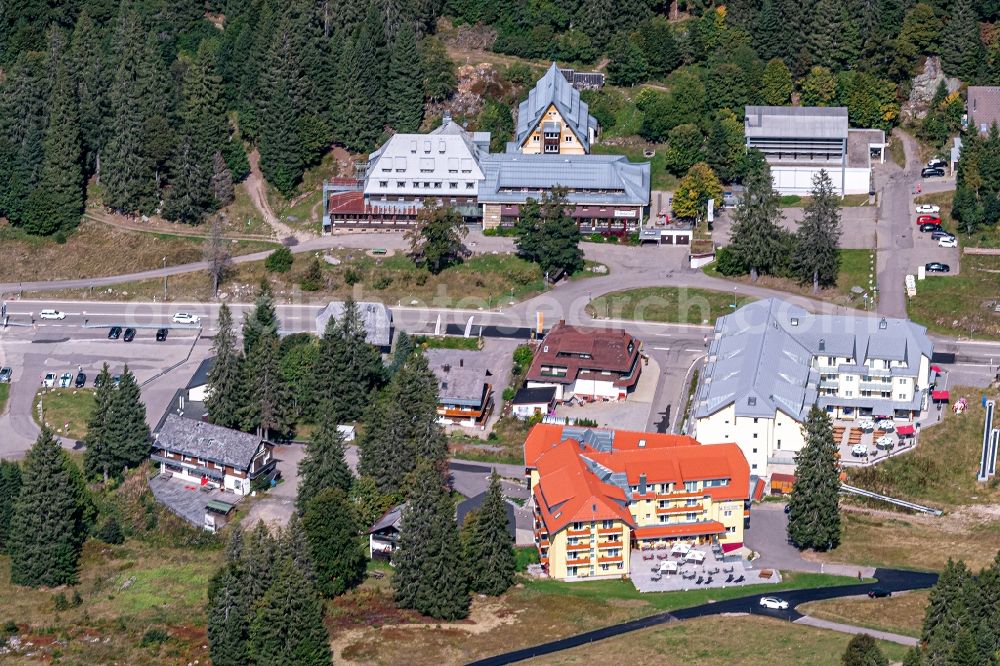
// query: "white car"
[[948, 242], [50, 380], [52, 314], [928, 209], [65, 380], [774, 603], [186, 318]]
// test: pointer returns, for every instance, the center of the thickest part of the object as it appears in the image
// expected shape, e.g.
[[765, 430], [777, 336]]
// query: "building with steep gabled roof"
[[554, 120], [598, 494], [770, 362]]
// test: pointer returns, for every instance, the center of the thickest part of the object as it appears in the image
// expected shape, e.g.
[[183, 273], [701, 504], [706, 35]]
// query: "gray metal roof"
[[462, 375], [598, 179], [553, 88], [207, 441], [376, 317], [761, 359], [796, 122]]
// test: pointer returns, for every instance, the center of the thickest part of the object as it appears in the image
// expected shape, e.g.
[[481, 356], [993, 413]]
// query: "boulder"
[[923, 88]]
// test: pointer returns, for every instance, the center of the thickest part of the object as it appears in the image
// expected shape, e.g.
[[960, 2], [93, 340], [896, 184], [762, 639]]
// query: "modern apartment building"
[[770, 362], [599, 494]]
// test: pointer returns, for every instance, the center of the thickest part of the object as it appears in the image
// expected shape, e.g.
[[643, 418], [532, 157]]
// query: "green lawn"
[[855, 269], [666, 304], [847, 201], [448, 342], [659, 177], [66, 410], [4, 396], [961, 304]]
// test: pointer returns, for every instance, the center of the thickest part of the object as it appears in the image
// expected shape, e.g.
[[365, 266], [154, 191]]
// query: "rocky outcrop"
[[923, 87]]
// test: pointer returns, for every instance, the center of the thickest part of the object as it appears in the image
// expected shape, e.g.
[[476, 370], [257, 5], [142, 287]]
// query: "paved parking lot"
[[630, 414], [857, 223]]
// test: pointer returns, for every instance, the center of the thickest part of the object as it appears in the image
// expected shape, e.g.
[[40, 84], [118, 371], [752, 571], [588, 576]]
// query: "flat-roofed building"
[[800, 141], [982, 107], [598, 494]]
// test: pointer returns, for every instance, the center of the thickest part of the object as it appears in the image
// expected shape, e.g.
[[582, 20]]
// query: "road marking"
[[661, 348], [694, 350]]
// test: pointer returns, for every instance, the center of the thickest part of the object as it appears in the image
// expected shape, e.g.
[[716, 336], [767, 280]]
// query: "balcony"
[[578, 533], [574, 547], [604, 545], [610, 558], [829, 383], [604, 531], [670, 510], [881, 387], [577, 561]]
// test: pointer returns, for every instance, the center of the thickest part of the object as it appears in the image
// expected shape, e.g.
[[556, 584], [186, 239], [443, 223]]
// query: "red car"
[[928, 219]]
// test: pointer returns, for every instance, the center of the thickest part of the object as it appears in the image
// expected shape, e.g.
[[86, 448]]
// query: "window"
[[400, 183], [755, 419], [690, 486], [383, 183], [437, 186], [604, 567], [727, 513], [753, 466], [849, 394], [572, 541], [452, 186], [570, 571], [731, 530], [577, 526], [779, 443], [569, 139], [755, 435], [535, 138], [469, 185], [691, 501], [691, 516], [607, 524], [901, 396], [755, 450], [830, 360]]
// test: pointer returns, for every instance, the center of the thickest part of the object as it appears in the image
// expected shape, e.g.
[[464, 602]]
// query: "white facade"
[[765, 442], [558, 387], [594, 389], [798, 179], [411, 166]]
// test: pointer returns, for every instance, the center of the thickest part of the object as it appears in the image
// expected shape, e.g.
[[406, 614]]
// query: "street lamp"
[[164, 279]]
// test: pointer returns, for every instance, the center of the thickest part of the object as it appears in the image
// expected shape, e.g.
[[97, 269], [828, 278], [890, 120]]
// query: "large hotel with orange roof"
[[598, 494]]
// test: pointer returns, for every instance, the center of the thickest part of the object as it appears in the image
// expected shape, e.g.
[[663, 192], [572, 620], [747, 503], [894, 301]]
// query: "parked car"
[[859, 450], [116, 380], [774, 603], [938, 235], [928, 219], [5, 375], [878, 593], [950, 241], [930, 227], [50, 380], [52, 314], [936, 163], [186, 318], [937, 267], [928, 209], [161, 335], [114, 332], [129, 335], [788, 507], [81, 380], [931, 172], [65, 380]]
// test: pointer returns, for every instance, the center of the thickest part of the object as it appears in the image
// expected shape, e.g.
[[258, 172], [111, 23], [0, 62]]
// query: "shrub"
[[382, 281], [279, 261], [421, 278], [727, 263], [351, 277], [523, 355], [509, 393], [586, 423], [60, 237], [59, 602], [10, 627], [77, 600], [489, 232], [110, 532], [312, 280], [596, 238], [154, 636]]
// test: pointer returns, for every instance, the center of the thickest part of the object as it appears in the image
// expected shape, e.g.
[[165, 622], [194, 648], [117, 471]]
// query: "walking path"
[[258, 194], [851, 629]]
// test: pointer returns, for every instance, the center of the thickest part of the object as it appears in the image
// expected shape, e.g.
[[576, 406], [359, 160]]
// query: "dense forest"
[[157, 101]]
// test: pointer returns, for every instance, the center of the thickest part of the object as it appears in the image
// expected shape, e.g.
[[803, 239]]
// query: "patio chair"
[[698, 582], [740, 579], [709, 581], [729, 578]]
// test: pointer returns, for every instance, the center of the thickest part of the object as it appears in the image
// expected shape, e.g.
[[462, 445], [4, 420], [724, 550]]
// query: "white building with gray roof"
[[375, 317], [770, 362], [800, 141], [554, 119]]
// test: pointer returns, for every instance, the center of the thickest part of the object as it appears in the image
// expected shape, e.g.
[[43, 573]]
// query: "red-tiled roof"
[[787, 478], [353, 203], [683, 529], [609, 350], [568, 490], [758, 490]]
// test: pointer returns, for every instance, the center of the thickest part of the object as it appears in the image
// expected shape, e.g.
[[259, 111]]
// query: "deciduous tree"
[[695, 189], [684, 148], [436, 241], [776, 85]]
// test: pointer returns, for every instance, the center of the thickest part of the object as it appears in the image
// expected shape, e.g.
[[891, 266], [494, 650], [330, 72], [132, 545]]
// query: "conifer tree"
[[46, 528], [945, 613], [770, 33], [331, 527], [127, 424], [404, 348], [288, 627], [430, 577], [816, 258], [361, 115], [99, 459], [913, 657], [23, 119], [10, 488], [814, 511], [323, 465], [262, 320], [62, 169], [281, 150], [88, 60], [268, 408], [755, 237], [627, 64], [862, 650], [964, 52], [725, 151], [491, 560], [405, 106], [559, 238], [190, 195], [225, 379], [228, 615], [776, 84]]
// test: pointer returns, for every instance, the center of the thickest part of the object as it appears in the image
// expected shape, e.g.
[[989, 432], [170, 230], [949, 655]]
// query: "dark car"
[[788, 507], [930, 172], [5, 374], [926, 228], [161, 335], [114, 333], [129, 335], [938, 235], [116, 380], [937, 267], [878, 593], [81, 379]]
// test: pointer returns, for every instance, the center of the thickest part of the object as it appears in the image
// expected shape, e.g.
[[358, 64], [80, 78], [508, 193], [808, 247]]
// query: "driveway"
[[275, 507]]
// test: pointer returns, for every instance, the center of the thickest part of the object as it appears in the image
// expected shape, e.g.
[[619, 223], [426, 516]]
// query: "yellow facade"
[[569, 143]]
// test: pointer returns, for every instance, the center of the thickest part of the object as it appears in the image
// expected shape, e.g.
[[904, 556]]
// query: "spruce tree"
[[99, 459], [288, 627], [155, 94], [46, 528], [404, 348], [225, 379], [281, 150], [228, 615], [491, 560], [770, 33], [725, 150], [90, 73], [262, 320], [349, 368], [528, 231], [268, 409], [816, 258], [755, 238], [430, 577], [964, 52], [10, 488], [814, 510], [405, 106], [361, 115], [330, 524], [945, 613], [862, 650], [190, 195], [323, 465], [627, 64], [62, 169], [127, 423], [776, 83]]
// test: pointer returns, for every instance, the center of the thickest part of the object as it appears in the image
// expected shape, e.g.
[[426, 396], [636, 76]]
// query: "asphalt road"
[[893, 580]]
